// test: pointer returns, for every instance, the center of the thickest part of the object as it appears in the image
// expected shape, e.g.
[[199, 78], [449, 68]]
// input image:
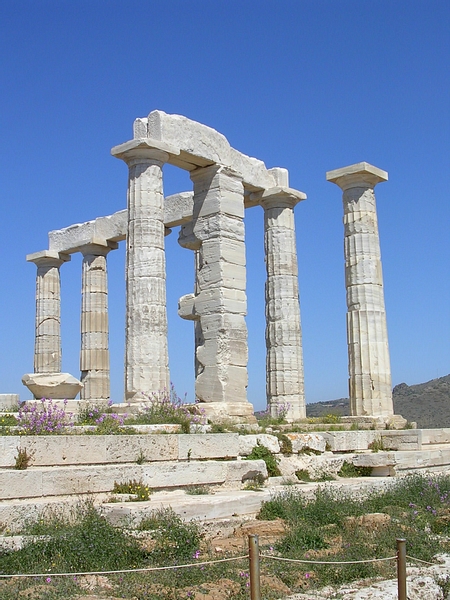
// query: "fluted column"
[[368, 350], [146, 351], [284, 361], [94, 355], [47, 345]]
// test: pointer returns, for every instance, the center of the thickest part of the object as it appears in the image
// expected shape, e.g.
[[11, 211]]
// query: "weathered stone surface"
[[209, 445], [310, 441], [244, 470], [47, 343], [8, 401], [342, 441], [248, 442], [436, 436], [57, 386], [285, 381], [369, 365], [146, 361], [94, 355], [201, 146]]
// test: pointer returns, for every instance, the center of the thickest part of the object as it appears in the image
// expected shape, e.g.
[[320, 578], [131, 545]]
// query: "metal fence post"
[[253, 555], [401, 569]]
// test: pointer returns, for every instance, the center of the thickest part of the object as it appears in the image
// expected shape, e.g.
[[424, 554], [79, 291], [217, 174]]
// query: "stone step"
[[58, 450], [58, 481]]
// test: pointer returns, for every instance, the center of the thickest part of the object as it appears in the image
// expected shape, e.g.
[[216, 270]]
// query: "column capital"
[[278, 197], [48, 258], [358, 175], [98, 247], [143, 150]]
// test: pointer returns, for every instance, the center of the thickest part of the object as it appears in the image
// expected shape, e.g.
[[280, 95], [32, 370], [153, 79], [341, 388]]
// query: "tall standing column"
[[146, 352], [368, 350], [220, 302], [47, 345], [284, 362], [94, 355]]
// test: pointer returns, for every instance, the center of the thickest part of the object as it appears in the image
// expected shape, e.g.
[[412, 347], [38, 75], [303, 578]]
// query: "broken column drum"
[[368, 350]]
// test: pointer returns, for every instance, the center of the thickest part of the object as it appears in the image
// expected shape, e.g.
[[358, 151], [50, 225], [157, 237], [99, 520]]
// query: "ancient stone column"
[[47, 345], [220, 303], [368, 351], [94, 355], [284, 362], [146, 352]]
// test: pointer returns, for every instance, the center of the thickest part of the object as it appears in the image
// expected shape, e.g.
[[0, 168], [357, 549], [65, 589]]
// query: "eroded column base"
[[228, 412]]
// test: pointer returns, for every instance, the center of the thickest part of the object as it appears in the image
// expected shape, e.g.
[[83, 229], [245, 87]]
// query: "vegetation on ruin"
[[331, 526], [261, 452], [137, 491]]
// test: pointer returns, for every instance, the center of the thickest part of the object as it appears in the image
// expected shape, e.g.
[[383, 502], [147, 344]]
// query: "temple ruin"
[[211, 220]]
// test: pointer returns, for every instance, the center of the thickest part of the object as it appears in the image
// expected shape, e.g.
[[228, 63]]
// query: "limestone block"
[[178, 209], [8, 401], [52, 385], [436, 436], [60, 481], [8, 450], [229, 250], [226, 412], [311, 441], [374, 459], [20, 484], [201, 145], [177, 474], [220, 225], [121, 448], [402, 440], [64, 449], [245, 470], [342, 441], [225, 274], [211, 301], [248, 442], [210, 445]]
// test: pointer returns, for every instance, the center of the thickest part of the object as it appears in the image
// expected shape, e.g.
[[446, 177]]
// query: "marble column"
[[47, 345], [146, 351], [220, 303], [284, 362], [94, 355], [368, 351]]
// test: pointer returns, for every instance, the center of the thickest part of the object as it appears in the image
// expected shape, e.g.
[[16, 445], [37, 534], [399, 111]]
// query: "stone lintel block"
[[143, 147], [358, 175], [281, 176], [57, 386], [48, 258], [209, 445], [178, 210], [201, 146]]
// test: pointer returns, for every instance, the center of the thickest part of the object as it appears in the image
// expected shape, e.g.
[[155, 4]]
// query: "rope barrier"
[[141, 570], [421, 561], [329, 562]]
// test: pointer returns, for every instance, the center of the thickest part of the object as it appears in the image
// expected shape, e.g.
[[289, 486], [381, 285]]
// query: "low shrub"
[[174, 540], [135, 488], [43, 418], [261, 452]]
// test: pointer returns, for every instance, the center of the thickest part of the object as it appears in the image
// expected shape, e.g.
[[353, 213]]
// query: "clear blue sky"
[[308, 85]]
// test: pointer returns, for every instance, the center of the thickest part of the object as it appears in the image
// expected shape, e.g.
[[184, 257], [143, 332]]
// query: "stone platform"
[[66, 468]]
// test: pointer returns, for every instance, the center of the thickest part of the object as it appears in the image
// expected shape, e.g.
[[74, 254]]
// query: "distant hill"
[[428, 404]]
